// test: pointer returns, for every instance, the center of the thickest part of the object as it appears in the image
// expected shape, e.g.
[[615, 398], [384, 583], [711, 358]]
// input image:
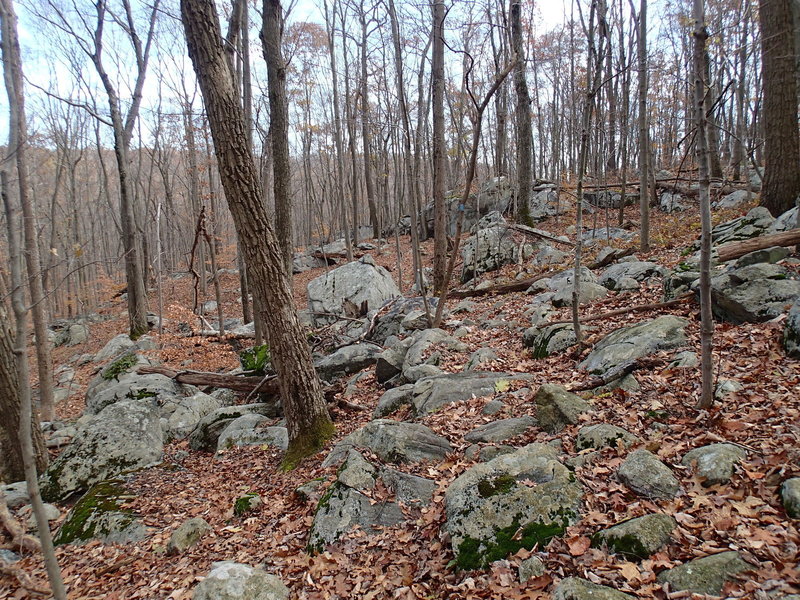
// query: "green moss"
[[684, 267], [141, 394], [627, 545], [499, 485], [244, 503], [657, 415], [307, 444], [474, 554], [122, 365], [255, 360], [82, 522]]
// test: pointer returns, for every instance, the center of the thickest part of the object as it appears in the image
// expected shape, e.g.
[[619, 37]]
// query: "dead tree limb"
[[617, 373], [503, 288], [533, 232], [630, 309], [611, 257], [237, 383], [739, 249]]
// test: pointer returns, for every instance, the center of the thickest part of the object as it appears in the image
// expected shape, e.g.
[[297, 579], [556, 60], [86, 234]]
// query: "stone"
[[499, 431], [235, 581], [549, 340], [705, 575], [246, 503], [493, 196], [419, 351], [556, 407], [529, 568], [638, 538], [356, 472], [347, 360], [543, 204], [550, 256], [755, 223], [790, 495], [99, 515], [393, 400], [481, 356], [187, 535], [604, 234], [389, 363], [765, 255], [51, 513], [791, 331], [432, 393], [684, 360], [734, 199], [492, 407], [410, 490], [359, 282], [390, 321], [247, 430], [9, 557], [639, 270], [488, 249], [714, 463], [114, 347], [514, 501], [589, 292], [392, 441], [647, 476], [124, 436], [636, 341], [575, 588], [670, 202], [488, 453], [565, 279], [73, 335], [684, 278], [206, 434], [753, 294], [602, 435], [16, 494], [784, 222], [188, 412]]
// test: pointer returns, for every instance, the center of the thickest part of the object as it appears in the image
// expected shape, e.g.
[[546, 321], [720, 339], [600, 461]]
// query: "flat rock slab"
[[514, 501], [638, 538], [754, 293], [347, 360], [705, 575], [637, 270], [235, 581], [575, 588], [648, 476], [636, 341], [499, 431], [715, 463], [548, 340], [432, 393], [249, 430], [602, 435], [392, 441], [556, 407]]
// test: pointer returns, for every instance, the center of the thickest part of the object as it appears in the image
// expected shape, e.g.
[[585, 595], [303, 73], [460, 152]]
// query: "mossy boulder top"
[[515, 500], [639, 537], [235, 581], [705, 575]]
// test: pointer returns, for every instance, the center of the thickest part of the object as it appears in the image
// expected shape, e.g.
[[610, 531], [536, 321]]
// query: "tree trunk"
[[271, 36], [365, 136], [523, 116], [307, 418], [644, 145], [781, 140], [439, 165]]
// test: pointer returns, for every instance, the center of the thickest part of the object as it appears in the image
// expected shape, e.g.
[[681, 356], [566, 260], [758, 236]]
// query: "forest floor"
[[412, 560]]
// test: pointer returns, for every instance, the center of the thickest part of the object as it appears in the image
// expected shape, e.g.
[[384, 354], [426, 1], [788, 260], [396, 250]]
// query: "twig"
[[630, 309], [18, 536], [124, 562], [24, 579]]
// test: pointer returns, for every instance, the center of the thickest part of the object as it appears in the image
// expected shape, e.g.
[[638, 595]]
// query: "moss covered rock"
[[602, 435], [514, 501], [556, 407], [705, 575], [100, 514], [715, 462], [187, 535], [637, 538], [548, 340]]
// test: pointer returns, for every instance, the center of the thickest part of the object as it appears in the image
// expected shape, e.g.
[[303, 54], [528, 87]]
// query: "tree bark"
[[307, 418], [644, 145], [781, 139], [439, 166], [271, 36], [523, 117], [737, 249]]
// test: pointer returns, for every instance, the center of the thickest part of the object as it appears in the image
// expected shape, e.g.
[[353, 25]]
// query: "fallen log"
[[503, 288], [540, 234], [625, 311], [617, 373], [237, 383], [611, 257], [738, 249]]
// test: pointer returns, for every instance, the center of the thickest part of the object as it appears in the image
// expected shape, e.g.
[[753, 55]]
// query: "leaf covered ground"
[[413, 560]]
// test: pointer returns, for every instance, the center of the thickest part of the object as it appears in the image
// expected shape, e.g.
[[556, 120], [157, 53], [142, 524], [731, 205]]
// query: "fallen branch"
[[503, 288], [611, 257], [24, 579], [618, 372], [116, 565], [19, 538], [227, 336], [739, 249], [261, 385], [625, 311], [540, 234]]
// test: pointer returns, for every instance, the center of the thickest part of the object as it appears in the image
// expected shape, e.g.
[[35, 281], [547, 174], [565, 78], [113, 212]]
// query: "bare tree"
[[307, 417], [523, 115], [439, 164], [644, 139]]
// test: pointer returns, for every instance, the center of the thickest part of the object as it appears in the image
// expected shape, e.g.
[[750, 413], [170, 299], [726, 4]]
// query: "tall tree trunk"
[[271, 36], [523, 116], [644, 138], [782, 143], [365, 136], [17, 148], [307, 418], [439, 165]]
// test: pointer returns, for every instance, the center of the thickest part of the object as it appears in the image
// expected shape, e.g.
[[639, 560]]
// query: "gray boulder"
[[575, 588], [589, 292], [205, 435], [765, 255], [543, 204], [530, 567], [514, 501], [734, 199], [637, 538], [754, 293], [670, 202], [556, 407], [548, 255], [358, 282], [481, 356], [500, 431], [647, 476], [432, 393], [784, 222], [234, 581], [347, 360], [99, 514], [493, 196], [715, 462], [705, 575], [790, 494], [247, 430], [636, 341], [392, 400], [124, 436], [602, 435], [604, 234], [16, 494], [410, 490], [392, 441], [681, 280], [186, 413], [187, 535], [638, 270], [73, 335], [755, 223], [488, 249], [392, 321], [548, 340], [114, 347], [791, 332]]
